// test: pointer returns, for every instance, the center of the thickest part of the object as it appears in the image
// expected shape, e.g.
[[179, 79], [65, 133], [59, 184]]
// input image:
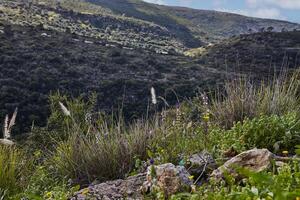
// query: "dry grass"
[[243, 99], [106, 153]]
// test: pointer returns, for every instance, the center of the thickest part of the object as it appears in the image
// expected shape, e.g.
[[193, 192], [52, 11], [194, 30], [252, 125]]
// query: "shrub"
[[272, 132], [43, 185], [282, 185]]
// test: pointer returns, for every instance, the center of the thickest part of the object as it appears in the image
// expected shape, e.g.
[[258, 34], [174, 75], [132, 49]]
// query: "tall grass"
[[14, 168], [98, 148], [245, 99]]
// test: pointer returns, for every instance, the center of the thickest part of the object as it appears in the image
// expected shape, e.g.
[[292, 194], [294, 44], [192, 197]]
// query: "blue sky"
[[273, 9]]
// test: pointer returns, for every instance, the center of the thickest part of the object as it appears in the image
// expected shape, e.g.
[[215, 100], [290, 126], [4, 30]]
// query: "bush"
[[272, 132], [282, 185], [43, 185]]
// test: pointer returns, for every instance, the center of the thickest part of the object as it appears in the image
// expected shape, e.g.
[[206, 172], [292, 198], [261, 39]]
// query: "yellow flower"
[[48, 195], [206, 117], [297, 198], [285, 152], [191, 177]]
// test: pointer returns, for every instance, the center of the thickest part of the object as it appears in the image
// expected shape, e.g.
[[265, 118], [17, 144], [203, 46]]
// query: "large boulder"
[[255, 160], [129, 188], [167, 178]]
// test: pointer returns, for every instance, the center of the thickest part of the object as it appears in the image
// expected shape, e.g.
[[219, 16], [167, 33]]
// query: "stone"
[[201, 163], [255, 160], [167, 178], [129, 188], [6, 142]]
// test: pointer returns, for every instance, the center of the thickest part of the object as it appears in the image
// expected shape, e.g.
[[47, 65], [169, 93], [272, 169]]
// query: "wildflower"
[[206, 117], [48, 195], [151, 161], [285, 153], [153, 96], [64, 109], [191, 178]]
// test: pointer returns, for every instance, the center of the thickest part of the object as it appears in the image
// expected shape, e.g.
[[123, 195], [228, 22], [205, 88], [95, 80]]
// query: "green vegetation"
[[81, 145], [63, 61]]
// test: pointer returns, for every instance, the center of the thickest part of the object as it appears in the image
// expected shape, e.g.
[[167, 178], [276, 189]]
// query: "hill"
[[136, 24], [259, 53], [119, 49]]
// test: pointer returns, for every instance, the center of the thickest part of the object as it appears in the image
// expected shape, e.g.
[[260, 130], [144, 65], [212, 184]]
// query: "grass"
[[244, 99], [13, 169], [82, 145]]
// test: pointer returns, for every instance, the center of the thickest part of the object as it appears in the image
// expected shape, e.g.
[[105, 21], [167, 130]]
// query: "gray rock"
[[255, 160], [129, 188], [201, 163]]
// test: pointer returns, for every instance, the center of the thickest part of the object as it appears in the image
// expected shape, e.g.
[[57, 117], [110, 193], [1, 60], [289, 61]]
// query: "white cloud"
[[161, 2], [286, 4], [268, 13]]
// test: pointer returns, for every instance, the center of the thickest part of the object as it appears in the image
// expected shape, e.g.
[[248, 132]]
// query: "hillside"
[[134, 23], [35, 61], [259, 53], [119, 49]]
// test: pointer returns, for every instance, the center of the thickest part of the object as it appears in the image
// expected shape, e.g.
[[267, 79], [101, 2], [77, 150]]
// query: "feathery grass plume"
[[8, 124], [64, 109], [5, 126], [153, 96]]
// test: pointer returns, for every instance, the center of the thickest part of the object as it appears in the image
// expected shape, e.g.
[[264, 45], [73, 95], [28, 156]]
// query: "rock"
[[129, 188], [167, 178], [201, 163], [6, 142], [255, 160]]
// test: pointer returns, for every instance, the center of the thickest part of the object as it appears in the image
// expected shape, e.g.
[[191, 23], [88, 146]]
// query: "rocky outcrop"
[[167, 178], [129, 188], [255, 160]]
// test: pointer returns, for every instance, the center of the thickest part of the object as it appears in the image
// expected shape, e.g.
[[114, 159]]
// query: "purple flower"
[[151, 161]]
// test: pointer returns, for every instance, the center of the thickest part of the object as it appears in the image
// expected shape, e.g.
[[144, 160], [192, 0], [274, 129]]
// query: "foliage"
[[45, 186], [282, 185], [272, 132]]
